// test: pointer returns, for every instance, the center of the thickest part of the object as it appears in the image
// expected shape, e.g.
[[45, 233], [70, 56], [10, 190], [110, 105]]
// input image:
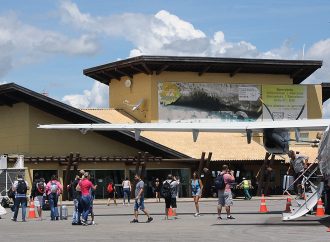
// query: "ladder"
[[312, 190]]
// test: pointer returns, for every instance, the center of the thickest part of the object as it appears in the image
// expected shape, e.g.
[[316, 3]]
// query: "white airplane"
[[276, 134]]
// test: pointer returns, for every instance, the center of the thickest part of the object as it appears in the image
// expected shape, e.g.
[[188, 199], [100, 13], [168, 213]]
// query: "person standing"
[[169, 191], [20, 187], [246, 185], [298, 163], [139, 200], [196, 189], [111, 189], [225, 198], [157, 190], [37, 193], [76, 196], [54, 189], [127, 190], [85, 186]]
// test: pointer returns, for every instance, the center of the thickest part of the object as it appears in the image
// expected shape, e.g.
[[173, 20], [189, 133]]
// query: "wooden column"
[[262, 175], [207, 177], [66, 179], [201, 164]]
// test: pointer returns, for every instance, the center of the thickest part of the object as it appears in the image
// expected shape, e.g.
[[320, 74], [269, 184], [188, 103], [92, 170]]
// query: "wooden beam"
[[124, 73], [143, 168], [161, 69], [138, 69], [297, 72], [201, 164], [205, 69], [149, 72], [67, 176], [237, 70]]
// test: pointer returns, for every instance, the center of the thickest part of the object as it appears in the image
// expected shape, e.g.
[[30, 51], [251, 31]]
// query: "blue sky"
[[46, 44]]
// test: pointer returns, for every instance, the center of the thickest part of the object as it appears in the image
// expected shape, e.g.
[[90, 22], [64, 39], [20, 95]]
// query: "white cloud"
[[326, 109], [97, 97], [22, 44]]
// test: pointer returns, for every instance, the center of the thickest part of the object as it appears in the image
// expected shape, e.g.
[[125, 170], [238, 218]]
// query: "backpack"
[[11, 193], [219, 182], [41, 187], [21, 187], [53, 187], [110, 188], [166, 190]]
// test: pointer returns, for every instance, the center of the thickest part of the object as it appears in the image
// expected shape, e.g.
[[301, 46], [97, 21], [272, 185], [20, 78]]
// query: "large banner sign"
[[285, 101], [180, 101]]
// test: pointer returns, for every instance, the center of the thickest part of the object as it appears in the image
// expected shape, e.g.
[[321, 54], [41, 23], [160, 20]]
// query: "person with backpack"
[[196, 189], [223, 185], [111, 189], [54, 189], [20, 187], [169, 191], [37, 193]]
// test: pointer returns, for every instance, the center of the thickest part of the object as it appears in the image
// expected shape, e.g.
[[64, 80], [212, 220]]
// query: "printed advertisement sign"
[[285, 101], [207, 102]]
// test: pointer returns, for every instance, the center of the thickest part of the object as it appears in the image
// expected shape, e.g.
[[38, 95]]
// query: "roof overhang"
[[298, 70], [12, 93], [325, 91]]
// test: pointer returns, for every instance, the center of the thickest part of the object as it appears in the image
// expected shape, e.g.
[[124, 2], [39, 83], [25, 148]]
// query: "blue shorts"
[[196, 193], [139, 204]]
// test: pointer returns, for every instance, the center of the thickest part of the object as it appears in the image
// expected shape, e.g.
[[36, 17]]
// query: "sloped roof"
[[298, 70], [12, 93], [224, 146]]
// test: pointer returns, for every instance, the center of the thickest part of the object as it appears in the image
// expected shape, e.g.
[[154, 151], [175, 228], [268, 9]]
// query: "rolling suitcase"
[[287, 182], [63, 212]]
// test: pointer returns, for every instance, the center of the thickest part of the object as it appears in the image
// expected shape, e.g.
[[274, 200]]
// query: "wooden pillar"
[[201, 164], [143, 167], [66, 178], [207, 177], [268, 171], [262, 175]]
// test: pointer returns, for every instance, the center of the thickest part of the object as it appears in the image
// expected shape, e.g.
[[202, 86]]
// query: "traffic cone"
[[32, 213], [288, 205], [263, 207], [320, 209], [170, 212]]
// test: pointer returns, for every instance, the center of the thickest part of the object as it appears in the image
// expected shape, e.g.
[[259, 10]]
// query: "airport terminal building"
[[163, 89]]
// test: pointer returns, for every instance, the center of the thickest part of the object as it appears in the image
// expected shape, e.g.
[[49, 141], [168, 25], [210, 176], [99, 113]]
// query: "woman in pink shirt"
[[85, 185], [53, 189]]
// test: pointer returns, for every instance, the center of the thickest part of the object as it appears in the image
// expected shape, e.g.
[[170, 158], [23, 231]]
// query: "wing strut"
[[195, 133]]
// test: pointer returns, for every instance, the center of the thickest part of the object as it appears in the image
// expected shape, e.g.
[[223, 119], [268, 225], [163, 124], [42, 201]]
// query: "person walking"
[[20, 188], [54, 189], [127, 191], [157, 190], [76, 196], [85, 185], [196, 189], [169, 192], [111, 189], [37, 193], [246, 185], [225, 198], [139, 200]]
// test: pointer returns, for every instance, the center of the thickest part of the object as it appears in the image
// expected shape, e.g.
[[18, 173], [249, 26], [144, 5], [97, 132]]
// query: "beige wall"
[[14, 128], [19, 135], [146, 87], [139, 89]]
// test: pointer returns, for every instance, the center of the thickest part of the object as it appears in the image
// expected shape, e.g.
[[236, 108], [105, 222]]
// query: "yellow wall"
[[19, 135], [14, 129], [146, 87], [139, 89]]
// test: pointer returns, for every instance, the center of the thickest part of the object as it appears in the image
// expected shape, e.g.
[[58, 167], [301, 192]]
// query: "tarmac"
[[113, 224]]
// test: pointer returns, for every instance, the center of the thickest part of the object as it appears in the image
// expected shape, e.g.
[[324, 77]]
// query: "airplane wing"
[[195, 128]]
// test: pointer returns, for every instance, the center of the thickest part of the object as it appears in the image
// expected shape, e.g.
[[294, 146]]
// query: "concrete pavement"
[[113, 225]]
